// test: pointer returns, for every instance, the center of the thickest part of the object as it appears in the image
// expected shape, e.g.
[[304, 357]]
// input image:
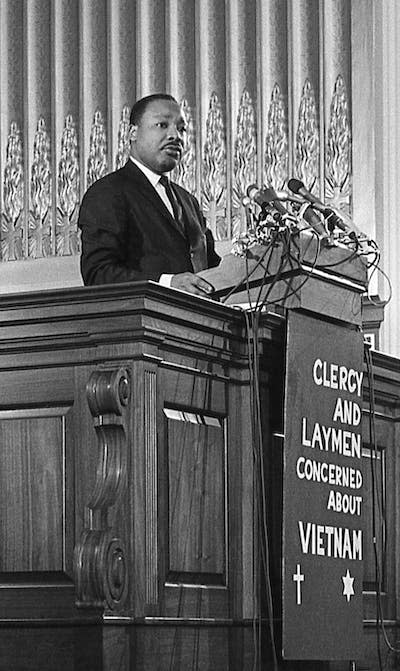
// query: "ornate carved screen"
[[266, 92]]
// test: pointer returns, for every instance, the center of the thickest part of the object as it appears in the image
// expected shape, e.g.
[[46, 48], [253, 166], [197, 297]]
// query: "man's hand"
[[191, 283]]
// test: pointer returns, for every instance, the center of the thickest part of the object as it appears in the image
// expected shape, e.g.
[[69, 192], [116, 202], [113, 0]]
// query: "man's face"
[[157, 140]]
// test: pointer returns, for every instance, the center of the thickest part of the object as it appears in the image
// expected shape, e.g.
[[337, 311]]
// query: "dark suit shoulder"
[[112, 181]]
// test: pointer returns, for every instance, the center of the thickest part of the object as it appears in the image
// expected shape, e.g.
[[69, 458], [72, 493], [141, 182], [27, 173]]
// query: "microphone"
[[265, 196], [308, 213], [289, 197], [269, 195], [297, 187], [315, 222]]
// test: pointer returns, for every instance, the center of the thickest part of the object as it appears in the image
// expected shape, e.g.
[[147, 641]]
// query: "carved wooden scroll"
[[100, 559]]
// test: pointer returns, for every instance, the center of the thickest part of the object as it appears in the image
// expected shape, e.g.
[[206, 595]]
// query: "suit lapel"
[[193, 230], [147, 190], [195, 234]]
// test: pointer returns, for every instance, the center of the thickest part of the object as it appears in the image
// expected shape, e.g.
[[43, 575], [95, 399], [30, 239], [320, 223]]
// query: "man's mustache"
[[173, 145]]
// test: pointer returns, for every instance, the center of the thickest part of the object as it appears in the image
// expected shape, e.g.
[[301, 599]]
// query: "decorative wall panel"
[[122, 66], [185, 172], [244, 162], [67, 241], [307, 142], [97, 160], [213, 183], [338, 150], [39, 218], [267, 86], [336, 22], [13, 198], [276, 152], [272, 91], [123, 138]]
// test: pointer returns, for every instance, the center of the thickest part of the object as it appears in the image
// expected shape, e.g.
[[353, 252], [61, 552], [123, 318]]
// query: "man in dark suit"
[[135, 224]]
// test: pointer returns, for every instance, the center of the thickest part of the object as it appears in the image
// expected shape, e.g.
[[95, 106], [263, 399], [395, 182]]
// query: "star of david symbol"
[[348, 590]]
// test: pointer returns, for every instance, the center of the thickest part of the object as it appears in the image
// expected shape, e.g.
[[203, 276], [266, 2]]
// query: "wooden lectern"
[[128, 526]]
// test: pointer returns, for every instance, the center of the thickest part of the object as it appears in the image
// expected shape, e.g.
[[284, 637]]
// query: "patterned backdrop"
[[80, 65]]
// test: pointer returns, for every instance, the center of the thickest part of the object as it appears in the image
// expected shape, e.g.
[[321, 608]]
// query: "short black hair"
[[140, 106]]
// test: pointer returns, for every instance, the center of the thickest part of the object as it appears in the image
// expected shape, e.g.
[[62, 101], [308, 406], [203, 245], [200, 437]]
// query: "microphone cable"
[[378, 509], [262, 566], [308, 274], [252, 318], [245, 279]]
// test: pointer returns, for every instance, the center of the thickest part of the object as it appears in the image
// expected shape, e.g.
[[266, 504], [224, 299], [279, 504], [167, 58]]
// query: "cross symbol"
[[298, 577]]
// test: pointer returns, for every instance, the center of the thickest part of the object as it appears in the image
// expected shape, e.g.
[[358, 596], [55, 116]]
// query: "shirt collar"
[[152, 176]]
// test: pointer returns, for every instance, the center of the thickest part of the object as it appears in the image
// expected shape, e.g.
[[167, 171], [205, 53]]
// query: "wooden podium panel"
[[37, 477], [126, 478], [31, 489], [196, 498], [128, 526], [40, 626]]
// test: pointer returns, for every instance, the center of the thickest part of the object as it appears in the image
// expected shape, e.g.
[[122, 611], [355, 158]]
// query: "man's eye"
[[162, 124], [182, 129]]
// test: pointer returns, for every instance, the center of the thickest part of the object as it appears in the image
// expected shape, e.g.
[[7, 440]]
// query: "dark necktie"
[[176, 206]]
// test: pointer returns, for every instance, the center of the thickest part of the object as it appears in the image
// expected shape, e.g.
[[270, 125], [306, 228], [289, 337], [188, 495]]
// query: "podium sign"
[[322, 491]]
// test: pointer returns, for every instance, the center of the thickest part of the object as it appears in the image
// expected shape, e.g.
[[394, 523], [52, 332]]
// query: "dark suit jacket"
[[128, 233]]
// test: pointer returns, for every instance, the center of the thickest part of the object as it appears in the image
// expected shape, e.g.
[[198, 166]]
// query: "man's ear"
[[132, 133]]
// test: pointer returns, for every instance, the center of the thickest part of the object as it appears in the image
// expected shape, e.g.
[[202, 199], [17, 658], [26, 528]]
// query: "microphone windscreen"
[[295, 185], [252, 190]]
